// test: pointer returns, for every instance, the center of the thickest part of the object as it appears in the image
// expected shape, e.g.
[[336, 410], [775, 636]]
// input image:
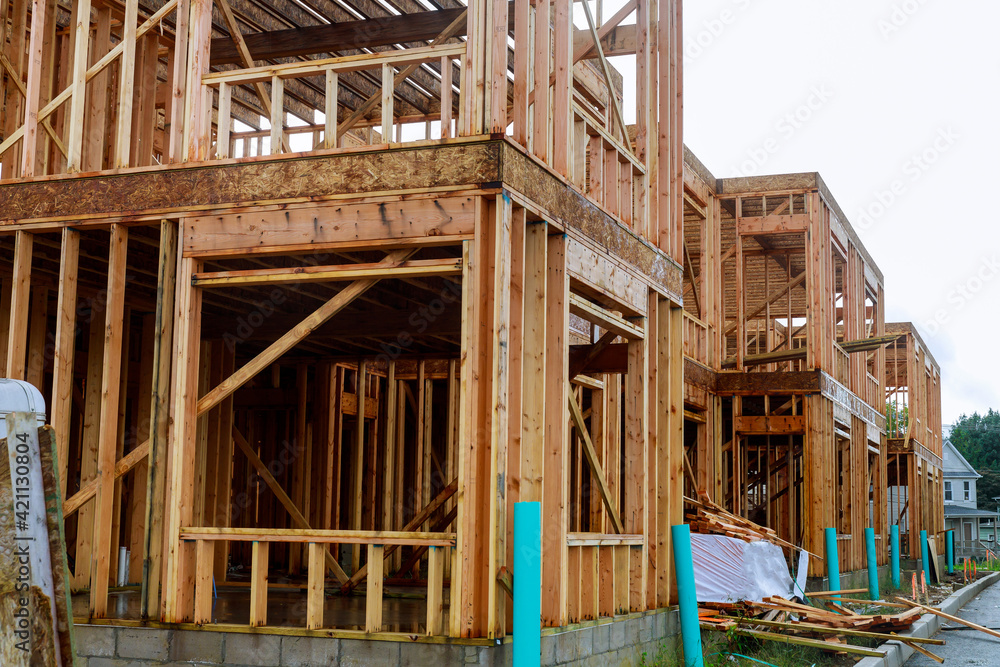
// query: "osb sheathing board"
[[250, 181], [316, 178], [567, 206]]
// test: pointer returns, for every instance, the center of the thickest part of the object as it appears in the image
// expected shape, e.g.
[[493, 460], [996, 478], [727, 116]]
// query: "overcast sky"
[[896, 104]]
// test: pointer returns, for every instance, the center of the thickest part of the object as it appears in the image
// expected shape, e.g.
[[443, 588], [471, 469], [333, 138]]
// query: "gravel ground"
[[968, 646]]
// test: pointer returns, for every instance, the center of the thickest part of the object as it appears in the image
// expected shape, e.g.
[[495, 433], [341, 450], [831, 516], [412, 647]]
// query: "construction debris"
[[779, 619], [707, 518]]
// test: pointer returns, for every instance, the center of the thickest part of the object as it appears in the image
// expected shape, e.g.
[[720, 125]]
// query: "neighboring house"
[[975, 529]]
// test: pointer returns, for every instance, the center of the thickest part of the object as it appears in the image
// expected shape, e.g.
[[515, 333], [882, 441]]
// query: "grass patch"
[[732, 650]]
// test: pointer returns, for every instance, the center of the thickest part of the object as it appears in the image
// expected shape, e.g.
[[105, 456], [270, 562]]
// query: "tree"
[[988, 488], [897, 420], [978, 439]]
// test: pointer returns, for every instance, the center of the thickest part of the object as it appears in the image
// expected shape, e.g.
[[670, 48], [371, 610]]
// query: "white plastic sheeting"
[[727, 569]]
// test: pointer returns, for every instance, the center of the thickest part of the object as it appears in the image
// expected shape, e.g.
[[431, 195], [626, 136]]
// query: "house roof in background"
[[954, 463]]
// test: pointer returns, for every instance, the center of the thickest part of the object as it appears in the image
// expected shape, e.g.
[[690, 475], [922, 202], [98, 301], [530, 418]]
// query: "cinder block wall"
[[610, 642]]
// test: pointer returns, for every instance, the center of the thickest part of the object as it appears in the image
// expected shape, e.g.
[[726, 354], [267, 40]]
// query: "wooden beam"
[[283, 498], [320, 274], [309, 535], [595, 464], [337, 303], [604, 318]]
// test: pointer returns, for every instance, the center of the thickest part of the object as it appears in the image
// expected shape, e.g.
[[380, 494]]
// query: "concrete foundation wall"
[[606, 643]]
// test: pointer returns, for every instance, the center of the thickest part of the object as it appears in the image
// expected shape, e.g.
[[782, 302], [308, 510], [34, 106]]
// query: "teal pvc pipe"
[[925, 552], [894, 554], [949, 550], [832, 560], [527, 628], [872, 563], [687, 596]]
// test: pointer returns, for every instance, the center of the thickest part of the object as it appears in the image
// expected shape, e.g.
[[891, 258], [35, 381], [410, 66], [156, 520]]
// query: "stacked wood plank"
[[707, 518], [829, 628], [807, 617]]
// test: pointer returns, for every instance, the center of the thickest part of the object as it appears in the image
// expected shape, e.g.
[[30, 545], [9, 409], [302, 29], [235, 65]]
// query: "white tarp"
[[727, 569]]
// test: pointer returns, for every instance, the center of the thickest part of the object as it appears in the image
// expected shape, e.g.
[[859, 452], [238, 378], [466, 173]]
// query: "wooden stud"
[[316, 593], [126, 68], [178, 574], [62, 367], [277, 114], [555, 505], [109, 422], [203, 597], [373, 597], [435, 590], [387, 99], [17, 341], [258, 584], [330, 121]]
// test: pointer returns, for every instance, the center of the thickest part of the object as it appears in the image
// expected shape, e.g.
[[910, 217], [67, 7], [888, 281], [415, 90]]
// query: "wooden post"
[[358, 464], [541, 123], [277, 113], [203, 581], [108, 429], [555, 506], [126, 82], [17, 340], [74, 122], [562, 141], [196, 122], [62, 367], [258, 584], [179, 574], [317, 577], [330, 121], [373, 605], [33, 87], [435, 590], [388, 87], [159, 420]]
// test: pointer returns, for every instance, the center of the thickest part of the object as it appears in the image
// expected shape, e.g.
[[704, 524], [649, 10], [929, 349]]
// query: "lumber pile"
[[828, 627], [707, 518]]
